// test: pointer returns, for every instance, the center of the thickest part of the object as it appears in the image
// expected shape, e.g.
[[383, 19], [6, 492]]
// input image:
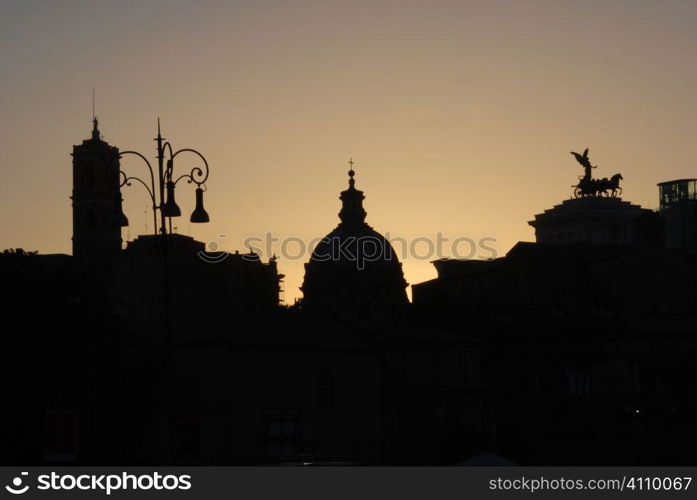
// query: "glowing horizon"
[[459, 115]]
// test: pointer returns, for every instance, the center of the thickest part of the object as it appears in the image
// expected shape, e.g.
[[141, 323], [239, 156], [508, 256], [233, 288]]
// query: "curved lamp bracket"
[[197, 175]]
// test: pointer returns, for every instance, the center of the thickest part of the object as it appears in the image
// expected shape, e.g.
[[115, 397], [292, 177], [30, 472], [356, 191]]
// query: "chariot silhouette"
[[587, 186]]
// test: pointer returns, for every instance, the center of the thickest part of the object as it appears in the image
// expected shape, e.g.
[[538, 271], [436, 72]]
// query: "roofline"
[[676, 180]]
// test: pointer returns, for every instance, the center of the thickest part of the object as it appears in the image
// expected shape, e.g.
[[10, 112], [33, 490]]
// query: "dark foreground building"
[[678, 208], [589, 335]]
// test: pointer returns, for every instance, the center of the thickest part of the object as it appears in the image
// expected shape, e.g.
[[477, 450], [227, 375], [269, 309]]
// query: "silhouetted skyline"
[[460, 115]]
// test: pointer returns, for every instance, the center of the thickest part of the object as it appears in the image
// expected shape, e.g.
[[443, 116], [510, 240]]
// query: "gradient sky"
[[460, 115]]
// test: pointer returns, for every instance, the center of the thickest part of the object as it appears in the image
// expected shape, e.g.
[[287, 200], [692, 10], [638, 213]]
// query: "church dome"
[[359, 247], [354, 272]]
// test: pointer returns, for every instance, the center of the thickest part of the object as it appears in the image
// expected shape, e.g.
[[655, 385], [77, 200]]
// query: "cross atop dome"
[[351, 173]]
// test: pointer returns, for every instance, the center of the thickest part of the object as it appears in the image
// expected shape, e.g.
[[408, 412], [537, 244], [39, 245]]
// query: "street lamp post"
[[161, 191]]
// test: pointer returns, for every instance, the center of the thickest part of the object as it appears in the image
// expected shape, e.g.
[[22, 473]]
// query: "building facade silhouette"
[[678, 207], [588, 337], [598, 220]]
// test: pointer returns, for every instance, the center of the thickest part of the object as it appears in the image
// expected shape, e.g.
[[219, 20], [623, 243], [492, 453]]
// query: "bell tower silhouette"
[[97, 215]]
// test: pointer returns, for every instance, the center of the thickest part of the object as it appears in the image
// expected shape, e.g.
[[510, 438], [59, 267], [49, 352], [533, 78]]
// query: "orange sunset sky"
[[460, 115]]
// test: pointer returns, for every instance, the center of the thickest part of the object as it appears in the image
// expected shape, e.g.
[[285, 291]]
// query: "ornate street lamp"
[[161, 190]]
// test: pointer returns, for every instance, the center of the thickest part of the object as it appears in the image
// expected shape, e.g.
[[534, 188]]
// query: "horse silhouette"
[[599, 187]]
